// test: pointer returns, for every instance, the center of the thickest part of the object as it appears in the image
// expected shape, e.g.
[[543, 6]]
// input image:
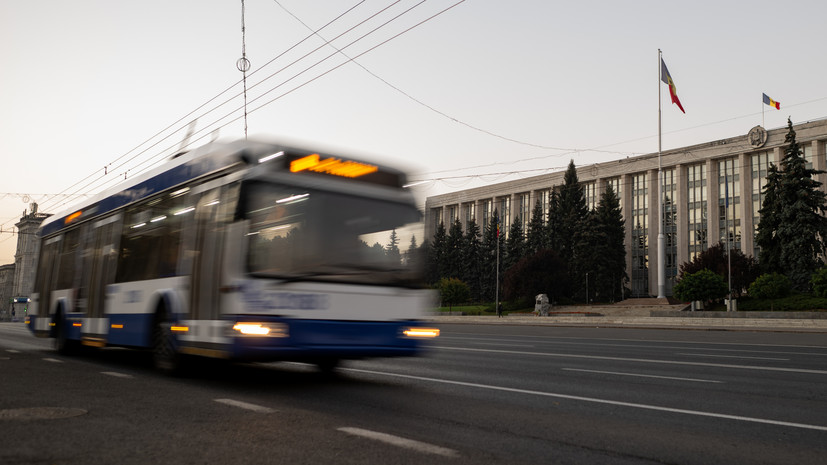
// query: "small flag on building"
[[772, 102], [667, 79]]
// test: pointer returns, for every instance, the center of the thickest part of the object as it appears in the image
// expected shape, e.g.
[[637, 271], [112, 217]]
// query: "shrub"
[[703, 285], [453, 291], [819, 282], [770, 286]]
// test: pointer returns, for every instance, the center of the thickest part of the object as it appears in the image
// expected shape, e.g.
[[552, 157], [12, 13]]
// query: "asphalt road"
[[483, 394]]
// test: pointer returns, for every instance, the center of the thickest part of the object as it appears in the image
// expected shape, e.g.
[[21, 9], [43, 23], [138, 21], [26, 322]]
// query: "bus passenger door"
[[102, 261], [206, 264]]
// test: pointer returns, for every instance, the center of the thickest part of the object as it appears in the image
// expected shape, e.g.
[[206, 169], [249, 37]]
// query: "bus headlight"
[[421, 332], [262, 329]]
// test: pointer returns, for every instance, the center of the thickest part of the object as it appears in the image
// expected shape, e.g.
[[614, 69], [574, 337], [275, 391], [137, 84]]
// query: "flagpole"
[[661, 242], [726, 221]]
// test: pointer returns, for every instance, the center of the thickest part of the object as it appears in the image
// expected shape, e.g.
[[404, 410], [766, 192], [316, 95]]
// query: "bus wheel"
[[327, 366], [63, 345], [164, 354]]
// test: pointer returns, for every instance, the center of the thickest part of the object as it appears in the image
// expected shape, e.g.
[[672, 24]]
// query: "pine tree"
[[392, 249], [553, 224], [413, 258], [536, 234], [473, 260], [572, 212], [490, 239], [795, 228], [610, 272], [435, 254], [453, 258], [514, 245]]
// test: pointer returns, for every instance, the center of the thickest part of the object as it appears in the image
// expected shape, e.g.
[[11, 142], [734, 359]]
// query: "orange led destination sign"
[[334, 166]]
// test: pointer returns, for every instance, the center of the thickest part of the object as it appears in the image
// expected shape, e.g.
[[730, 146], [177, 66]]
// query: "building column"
[[682, 225], [626, 207], [747, 236], [712, 208]]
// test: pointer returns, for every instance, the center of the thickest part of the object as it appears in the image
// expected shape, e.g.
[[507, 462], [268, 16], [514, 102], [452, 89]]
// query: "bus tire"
[[327, 366], [165, 355], [63, 345]]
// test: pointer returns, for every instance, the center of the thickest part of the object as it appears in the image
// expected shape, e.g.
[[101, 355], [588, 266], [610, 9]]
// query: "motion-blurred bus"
[[243, 251]]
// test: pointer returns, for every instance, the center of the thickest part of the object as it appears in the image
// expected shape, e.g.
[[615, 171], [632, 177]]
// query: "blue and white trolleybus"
[[244, 251]]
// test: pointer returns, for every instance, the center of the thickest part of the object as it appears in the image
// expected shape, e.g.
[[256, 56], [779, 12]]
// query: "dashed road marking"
[[53, 360], [643, 376], [399, 441], [245, 405], [12, 351], [116, 374]]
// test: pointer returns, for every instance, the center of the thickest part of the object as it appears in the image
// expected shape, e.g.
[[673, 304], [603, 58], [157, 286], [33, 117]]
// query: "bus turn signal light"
[[421, 332]]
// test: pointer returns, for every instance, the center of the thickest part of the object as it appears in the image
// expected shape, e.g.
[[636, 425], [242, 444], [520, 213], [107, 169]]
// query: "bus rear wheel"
[[165, 356]]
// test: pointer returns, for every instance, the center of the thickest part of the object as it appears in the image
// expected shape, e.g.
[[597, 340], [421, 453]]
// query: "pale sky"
[[487, 88]]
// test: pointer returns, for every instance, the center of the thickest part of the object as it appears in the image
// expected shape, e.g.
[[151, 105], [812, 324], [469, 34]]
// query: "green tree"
[[453, 291], [553, 223], [514, 244], [705, 285], [540, 273], [434, 253], [490, 240], [392, 249], [453, 263], [572, 212], [743, 269], [473, 260], [536, 234], [609, 250], [413, 256], [770, 286], [793, 227]]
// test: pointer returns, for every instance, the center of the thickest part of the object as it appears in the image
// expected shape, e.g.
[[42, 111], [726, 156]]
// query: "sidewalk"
[[654, 314]]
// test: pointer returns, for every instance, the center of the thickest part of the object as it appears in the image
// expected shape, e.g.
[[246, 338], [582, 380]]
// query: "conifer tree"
[[795, 228], [453, 258], [572, 212], [514, 244], [473, 259], [392, 249], [435, 254], [610, 269], [536, 234]]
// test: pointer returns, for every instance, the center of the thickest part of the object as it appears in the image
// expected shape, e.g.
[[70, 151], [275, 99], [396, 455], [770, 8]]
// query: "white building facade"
[[696, 182]]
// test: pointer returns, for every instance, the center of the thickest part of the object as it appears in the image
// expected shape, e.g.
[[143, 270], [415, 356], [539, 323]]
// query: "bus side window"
[[68, 260]]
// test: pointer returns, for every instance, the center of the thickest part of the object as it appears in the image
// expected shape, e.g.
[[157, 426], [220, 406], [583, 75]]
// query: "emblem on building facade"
[[757, 137]]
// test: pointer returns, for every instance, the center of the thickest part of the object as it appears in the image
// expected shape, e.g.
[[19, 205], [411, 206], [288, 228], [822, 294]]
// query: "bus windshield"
[[298, 233]]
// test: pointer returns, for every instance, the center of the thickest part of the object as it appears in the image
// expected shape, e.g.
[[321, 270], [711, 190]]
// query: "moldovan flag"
[[667, 79], [772, 102]]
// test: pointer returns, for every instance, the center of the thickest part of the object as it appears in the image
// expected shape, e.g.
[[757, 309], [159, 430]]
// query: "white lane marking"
[[501, 344], [53, 360], [598, 401], [116, 374], [399, 441], [12, 351], [552, 341], [640, 360], [556, 338], [245, 405], [644, 376], [733, 356]]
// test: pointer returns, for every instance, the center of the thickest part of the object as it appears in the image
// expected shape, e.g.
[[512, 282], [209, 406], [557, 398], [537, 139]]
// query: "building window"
[[543, 197], [760, 164], [807, 154], [436, 219], [453, 215], [590, 194], [505, 215], [470, 210], [487, 214], [696, 209], [640, 235], [525, 210], [729, 199]]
